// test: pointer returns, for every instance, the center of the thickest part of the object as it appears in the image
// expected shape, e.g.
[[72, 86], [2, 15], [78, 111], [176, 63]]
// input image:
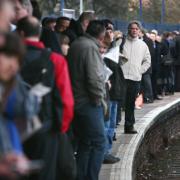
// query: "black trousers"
[[177, 78], [154, 78], [132, 89]]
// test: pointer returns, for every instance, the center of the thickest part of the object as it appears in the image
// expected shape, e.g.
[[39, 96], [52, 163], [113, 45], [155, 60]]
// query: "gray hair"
[[138, 23]]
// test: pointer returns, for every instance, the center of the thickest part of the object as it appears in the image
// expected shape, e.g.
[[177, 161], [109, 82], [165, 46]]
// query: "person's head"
[[166, 35], [36, 9], [49, 23], [109, 28], [96, 29], [11, 54], [7, 14], [153, 36], [85, 19], [62, 23], [29, 27], [105, 44], [23, 8], [64, 44], [108, 24], [134, 28]]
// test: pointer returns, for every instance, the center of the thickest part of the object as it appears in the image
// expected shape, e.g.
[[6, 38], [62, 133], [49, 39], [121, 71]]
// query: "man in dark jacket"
[[88, 81], [146, 84], [159, 50], [78, 28]]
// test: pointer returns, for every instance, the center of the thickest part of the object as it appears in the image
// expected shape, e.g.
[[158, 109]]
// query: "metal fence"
[[122, 26]]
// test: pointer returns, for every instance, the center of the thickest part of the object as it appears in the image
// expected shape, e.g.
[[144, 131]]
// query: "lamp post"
[[163, 11], [81, 6], [140, 11], [62, 6]]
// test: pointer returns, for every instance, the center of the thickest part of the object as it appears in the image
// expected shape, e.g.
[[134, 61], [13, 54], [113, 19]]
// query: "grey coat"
[[86, 71]]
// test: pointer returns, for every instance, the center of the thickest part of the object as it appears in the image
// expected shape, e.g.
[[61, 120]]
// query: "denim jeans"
[[147, 86], [110, 126], [89, 129]]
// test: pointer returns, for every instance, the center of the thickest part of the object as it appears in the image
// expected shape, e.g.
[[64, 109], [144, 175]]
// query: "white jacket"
[[139, 59]]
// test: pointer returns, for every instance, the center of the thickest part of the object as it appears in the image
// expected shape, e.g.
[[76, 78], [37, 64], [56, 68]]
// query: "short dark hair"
[[87, 15], [12, 45], [95, 28], [107, 22], [30, 26], [62, 18], [48, 20], [64, 39]]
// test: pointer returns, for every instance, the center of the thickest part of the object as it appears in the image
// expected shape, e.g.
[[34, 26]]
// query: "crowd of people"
[[63, 85]]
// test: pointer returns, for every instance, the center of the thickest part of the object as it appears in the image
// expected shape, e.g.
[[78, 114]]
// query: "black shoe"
[[158, 97], [114, 137], [118, 123], [110, 159], [130, 131], [148, 101]]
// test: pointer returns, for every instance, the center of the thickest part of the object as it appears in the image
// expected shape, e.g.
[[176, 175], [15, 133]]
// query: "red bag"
[[139, 102]]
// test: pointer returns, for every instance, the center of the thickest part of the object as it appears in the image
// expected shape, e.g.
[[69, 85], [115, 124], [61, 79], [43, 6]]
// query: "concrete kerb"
[[125, 171]]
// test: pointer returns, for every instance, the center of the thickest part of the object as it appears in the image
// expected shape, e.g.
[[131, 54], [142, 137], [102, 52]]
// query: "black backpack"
[[38, 68]]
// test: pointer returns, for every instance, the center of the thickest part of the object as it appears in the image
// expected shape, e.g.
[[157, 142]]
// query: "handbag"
[[167, 59]]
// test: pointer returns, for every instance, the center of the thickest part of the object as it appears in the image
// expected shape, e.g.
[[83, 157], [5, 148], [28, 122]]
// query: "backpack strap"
[[121, 47]]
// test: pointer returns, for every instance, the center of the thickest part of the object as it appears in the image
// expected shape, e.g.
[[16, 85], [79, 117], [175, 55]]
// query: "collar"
[[132, 39], [38, 44], [92, 38]]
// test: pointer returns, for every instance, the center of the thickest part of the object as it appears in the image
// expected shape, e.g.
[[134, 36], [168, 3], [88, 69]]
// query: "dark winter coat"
[[149, 43], [177, 46], [74, 31], [116, 80]]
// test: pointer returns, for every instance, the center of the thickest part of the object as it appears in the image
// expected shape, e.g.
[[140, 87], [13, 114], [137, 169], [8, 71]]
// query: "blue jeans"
[[89, 129], [147, 86], [110, 126]]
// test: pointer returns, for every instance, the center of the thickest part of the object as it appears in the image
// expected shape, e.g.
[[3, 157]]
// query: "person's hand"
[[6, 163], [22, 165], [13, 165], [109, 85], [105, 107]]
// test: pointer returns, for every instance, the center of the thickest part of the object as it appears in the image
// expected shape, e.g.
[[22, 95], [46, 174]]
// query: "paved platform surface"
[[110, 172]]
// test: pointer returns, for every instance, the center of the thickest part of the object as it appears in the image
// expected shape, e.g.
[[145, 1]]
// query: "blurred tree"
[[122, 9]]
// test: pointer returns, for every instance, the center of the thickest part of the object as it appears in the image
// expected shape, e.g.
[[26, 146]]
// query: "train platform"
[[126, 145]]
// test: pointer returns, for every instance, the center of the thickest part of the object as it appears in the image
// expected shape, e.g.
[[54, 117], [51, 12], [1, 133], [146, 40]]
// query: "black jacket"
[[74, 31], [149, 43], [177, 46], [50, 40], [116, 79]]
